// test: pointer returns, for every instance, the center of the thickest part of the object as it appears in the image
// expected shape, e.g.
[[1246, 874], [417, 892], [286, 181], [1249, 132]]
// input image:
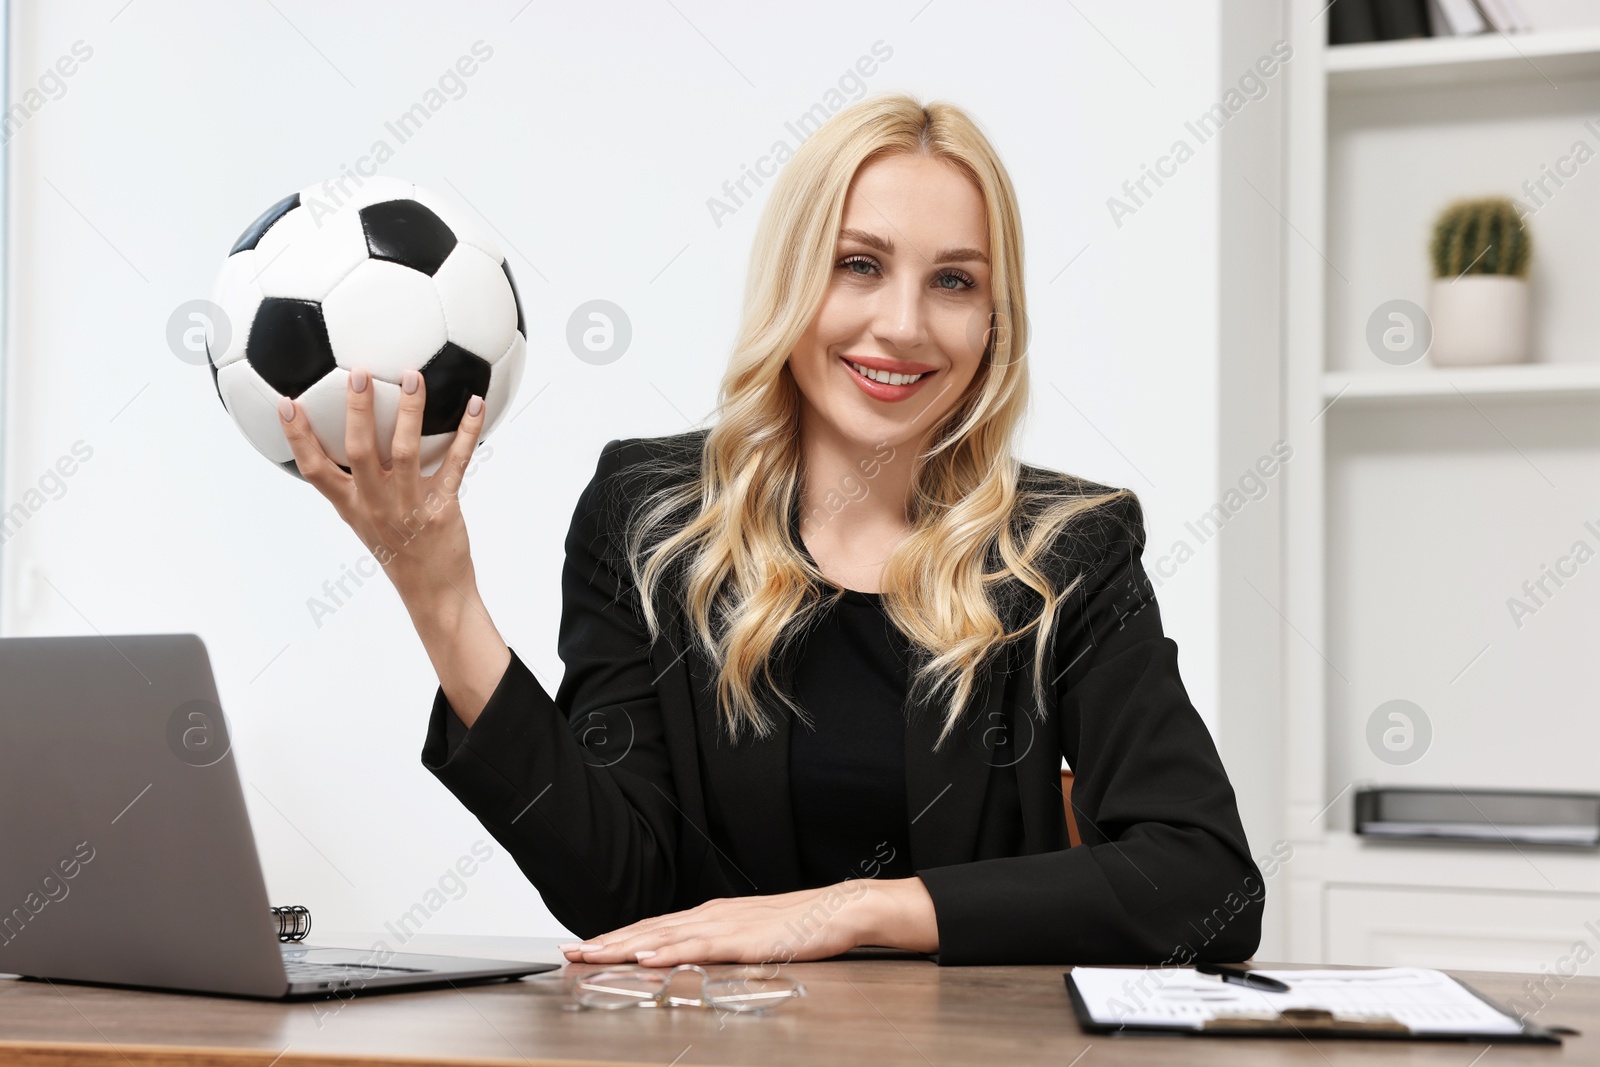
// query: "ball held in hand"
[[383, 275]]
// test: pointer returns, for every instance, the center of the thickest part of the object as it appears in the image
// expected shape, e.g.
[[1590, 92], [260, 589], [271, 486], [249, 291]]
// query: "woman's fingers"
[[360, 436], [453, 469], [382, 504], [408, 427], [314, 464]]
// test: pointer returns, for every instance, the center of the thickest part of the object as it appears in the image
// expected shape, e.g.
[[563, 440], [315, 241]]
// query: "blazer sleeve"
[[1164, 874], [578, 788]]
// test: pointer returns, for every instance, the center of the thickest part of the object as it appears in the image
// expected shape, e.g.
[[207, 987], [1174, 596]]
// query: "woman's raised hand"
[[411, 524]]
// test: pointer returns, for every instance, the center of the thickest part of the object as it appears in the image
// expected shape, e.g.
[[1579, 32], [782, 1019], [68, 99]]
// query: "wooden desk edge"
[[95, 1054]]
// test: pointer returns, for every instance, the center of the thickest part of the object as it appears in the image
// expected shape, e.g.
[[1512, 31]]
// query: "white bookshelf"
[[1420, 497], [1444, 61], [1573, 381]]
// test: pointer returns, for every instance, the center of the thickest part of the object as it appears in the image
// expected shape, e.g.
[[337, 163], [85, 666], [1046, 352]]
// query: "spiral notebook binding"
[[293, 922]]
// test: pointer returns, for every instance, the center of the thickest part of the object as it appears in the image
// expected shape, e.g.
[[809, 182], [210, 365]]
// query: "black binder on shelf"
[[1352, 22], [1399, 20], [1483, 816], [1360, 21], [1273, 1014]]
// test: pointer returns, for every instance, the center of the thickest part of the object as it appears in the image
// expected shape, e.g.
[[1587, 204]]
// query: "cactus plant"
[[1480, 236]]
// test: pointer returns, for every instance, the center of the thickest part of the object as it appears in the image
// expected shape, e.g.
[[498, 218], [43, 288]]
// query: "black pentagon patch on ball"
[[252, 234], [289, 345], [515, 298], [214, 383], [452, 377], [405, 232]]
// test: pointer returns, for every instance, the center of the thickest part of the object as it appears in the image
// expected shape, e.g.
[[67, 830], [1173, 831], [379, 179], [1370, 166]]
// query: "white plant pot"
[[1479, 319]]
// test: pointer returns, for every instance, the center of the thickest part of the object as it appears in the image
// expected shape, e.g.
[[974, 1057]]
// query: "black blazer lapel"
[[747, 792], [945, 789]]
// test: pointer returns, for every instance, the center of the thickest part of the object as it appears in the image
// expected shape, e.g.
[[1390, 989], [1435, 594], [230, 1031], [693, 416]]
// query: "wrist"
[[896, 913], [436, 603], [466, 650]]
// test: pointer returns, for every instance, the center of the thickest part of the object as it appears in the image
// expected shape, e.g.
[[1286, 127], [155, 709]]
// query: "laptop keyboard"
[[306, 971]]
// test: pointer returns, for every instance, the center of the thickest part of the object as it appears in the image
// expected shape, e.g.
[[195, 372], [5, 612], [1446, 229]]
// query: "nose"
[[900, 319]]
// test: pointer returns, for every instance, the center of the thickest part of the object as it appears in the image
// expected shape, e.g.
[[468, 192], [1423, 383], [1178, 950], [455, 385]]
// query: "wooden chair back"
[[1066, 799]]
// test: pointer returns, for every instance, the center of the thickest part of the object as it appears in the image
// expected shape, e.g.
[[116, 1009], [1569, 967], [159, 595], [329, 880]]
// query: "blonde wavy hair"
[[978, 537]]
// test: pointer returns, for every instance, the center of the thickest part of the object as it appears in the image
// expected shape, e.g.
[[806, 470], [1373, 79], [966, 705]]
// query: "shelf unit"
[[1420, 497], [1436, 61], [1575, 381]]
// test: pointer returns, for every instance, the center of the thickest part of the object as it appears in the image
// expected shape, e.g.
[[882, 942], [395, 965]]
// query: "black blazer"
[[620, 800]]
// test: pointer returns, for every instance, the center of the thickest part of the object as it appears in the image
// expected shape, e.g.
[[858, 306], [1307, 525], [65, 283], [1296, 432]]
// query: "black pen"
[[1240, 976]]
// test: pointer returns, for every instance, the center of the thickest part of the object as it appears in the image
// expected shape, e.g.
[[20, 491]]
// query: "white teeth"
[[884, 376]]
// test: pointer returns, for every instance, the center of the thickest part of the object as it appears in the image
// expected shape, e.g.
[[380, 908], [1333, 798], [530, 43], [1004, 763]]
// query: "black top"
[[847, 775]]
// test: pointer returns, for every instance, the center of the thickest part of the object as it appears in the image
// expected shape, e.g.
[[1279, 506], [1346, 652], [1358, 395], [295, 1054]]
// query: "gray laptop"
[[126, 855]]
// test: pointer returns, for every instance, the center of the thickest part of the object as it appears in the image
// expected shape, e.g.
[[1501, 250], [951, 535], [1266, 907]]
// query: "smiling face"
[[910, 294]]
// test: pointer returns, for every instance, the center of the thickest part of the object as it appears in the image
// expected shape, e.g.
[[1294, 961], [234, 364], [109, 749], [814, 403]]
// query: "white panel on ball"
[[324, 405], [432, 452], [504, 377], [303, 258], [238, 295], [254, 406], [480, 314], [384, 317]]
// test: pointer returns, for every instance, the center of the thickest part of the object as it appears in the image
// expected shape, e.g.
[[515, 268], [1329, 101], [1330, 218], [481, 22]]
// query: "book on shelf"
[[1351, 22], [1505, 16], [1400, 19], [1455, 18], [1360, 21]]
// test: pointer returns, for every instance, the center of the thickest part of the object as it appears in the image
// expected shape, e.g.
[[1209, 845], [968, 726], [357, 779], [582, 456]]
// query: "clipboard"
[[1306, 1022]]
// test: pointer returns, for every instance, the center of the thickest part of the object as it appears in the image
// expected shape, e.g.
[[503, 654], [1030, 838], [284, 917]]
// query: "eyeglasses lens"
[[617, 989], [750, 992]]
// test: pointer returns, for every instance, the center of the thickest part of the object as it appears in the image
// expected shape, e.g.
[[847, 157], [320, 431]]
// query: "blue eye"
[[963, 281]]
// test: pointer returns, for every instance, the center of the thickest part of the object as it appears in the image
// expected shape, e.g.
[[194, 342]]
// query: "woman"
[[857, 549]]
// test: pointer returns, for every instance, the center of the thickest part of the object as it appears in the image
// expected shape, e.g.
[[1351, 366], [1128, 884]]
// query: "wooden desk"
[[879, 1011]]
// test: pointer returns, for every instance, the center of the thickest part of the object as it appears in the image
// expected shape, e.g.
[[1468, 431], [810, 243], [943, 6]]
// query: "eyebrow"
[[886, 246]]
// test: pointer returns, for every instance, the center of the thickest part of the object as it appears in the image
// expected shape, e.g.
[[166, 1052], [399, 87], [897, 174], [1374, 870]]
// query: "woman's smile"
[[887, 385]]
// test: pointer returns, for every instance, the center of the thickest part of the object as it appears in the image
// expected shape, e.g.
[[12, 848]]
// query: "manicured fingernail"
[[358, 379], [286, 409], [475, 405], [409, 381], [644, 954]]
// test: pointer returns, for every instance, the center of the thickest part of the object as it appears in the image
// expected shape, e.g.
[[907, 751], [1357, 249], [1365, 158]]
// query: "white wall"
[[591, 143]]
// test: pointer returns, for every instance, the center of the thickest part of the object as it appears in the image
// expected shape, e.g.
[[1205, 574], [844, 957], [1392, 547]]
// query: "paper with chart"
[[1427, 1001]]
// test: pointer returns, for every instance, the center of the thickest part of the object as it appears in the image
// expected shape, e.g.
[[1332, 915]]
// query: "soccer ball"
[[390, 277]]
